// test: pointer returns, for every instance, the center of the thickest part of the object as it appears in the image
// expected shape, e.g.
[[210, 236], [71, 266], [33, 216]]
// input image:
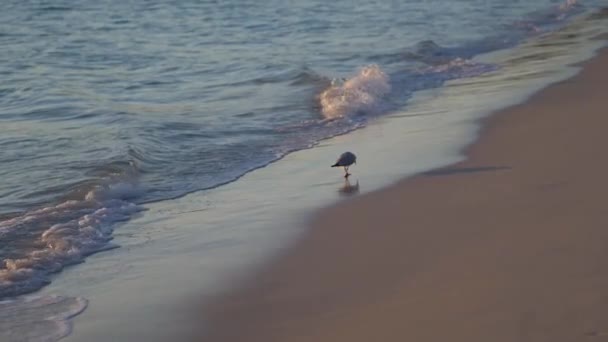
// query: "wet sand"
[[509, 245]]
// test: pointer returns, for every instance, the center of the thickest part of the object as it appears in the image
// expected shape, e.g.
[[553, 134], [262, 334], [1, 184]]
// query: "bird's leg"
[[346, 172]]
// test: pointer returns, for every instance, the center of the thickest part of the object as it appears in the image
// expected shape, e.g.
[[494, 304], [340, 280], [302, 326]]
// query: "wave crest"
[[460, 68], [47, 239], [362, 93]]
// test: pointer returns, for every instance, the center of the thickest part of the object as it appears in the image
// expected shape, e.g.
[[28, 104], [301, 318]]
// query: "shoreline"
[[191, 251], [501, 261]]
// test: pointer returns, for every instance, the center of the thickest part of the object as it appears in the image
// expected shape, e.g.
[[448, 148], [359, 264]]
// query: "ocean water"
[[108, 105]]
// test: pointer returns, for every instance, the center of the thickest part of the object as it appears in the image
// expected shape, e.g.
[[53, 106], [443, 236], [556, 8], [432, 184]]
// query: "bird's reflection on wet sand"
[[348, 188]]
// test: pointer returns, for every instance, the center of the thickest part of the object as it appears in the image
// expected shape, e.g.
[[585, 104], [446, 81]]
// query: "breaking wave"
[[371, 90], [40, 242], [362, 93]]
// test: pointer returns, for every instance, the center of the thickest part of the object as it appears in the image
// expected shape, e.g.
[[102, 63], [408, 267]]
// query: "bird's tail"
[[335, 165]]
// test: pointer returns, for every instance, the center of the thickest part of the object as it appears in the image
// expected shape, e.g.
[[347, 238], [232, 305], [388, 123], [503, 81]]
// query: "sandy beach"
[[508, 245]]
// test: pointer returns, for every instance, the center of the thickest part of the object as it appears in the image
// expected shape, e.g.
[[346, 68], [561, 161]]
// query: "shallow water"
[[38, 318]]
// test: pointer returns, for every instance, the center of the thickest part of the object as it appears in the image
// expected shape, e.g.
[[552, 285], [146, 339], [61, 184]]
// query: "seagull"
[[346, 160]]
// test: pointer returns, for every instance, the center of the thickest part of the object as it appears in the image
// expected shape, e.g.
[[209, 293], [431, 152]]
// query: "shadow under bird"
[[346, 160]]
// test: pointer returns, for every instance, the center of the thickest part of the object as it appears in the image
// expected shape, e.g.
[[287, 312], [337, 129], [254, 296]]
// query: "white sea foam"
[[362, 93], [55, 236]]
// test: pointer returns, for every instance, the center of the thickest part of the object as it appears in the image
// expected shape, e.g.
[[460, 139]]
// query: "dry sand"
[[509, 245]]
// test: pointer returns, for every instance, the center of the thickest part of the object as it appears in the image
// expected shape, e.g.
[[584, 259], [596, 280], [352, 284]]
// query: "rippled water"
[[108, 104], [38, 318]]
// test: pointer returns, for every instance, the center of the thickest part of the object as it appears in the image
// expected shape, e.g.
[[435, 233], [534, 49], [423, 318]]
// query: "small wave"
[[309, 77], [43, 241], [460, 68], [543, 21], [362, 93], [600, 14], [115, 191], [568, 4], [428, 52], [38, 318]]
